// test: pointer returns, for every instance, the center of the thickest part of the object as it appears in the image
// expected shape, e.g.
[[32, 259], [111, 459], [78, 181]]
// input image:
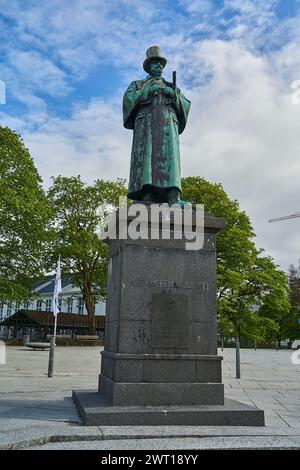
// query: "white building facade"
[[70, 300]]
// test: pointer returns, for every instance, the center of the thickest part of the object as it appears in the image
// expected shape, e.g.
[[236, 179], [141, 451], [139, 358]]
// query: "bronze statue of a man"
[[157, 112]]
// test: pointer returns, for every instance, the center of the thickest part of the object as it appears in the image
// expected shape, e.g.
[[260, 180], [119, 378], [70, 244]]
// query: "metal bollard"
[[51, 357], [25, 339], [238, 358]]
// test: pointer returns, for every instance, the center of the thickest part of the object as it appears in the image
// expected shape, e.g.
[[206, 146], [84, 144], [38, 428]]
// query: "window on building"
[[48, 305], [9, 307], [39, 304], [59, 304], [18, 306], [26, 305], [1, 308], [80, 305], [70, 305]]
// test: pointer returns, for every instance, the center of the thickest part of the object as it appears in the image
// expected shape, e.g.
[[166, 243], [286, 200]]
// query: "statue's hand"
[[154, 88], [168, 91]]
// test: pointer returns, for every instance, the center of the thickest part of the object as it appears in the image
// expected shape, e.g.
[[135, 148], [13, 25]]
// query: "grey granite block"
[[122, 370], [111, 335], [163, 370], [151, 394], [161, 367], [94, 409]]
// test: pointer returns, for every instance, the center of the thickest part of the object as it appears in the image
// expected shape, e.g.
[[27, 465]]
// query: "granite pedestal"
[[160, 363]]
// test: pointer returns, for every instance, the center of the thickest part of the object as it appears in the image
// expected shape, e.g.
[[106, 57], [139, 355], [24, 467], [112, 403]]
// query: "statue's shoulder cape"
[[132, 101]]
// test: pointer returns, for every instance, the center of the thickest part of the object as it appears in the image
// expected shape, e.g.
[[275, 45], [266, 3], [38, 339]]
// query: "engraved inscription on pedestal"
[[169, 320]]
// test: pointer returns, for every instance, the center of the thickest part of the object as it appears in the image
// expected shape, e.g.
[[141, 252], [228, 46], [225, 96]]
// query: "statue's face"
[[155, 68]]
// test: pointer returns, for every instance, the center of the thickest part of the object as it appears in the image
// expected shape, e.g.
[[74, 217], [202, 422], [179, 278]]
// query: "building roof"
[[49, 287], [43, 281], [46, 285], [36, 318]]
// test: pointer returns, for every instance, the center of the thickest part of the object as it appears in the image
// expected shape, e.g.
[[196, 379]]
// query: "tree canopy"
[[75, 233], [246, 278], [23, 218]]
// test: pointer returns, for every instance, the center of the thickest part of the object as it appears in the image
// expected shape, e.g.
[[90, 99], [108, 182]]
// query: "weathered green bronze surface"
[[157, 112]]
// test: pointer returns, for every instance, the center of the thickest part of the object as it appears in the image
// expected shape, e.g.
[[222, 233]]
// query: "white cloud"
[[244, 132], [40, 72], [197, 6], [79, 34], [92, 143]]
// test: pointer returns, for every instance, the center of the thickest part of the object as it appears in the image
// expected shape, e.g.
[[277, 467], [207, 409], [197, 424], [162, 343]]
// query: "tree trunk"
[[222, 344], [90, 308], [89, 305]]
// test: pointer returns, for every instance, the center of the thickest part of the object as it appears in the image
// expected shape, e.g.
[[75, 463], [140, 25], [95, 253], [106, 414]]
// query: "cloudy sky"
[[67, 63]]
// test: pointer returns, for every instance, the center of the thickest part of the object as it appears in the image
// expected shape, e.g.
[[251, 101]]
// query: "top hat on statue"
[[153, 53]]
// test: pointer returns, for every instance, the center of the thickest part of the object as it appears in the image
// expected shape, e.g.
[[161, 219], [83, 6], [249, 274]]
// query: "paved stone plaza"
[[38, 412]]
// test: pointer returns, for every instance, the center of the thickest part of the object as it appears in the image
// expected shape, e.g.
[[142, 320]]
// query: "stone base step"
[[96, 410]]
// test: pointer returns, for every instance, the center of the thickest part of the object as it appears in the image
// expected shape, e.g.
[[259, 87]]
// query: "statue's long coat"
[[156, 122]]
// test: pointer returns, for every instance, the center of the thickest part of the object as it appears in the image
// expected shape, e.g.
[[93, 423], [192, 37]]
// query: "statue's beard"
[[156, 75]]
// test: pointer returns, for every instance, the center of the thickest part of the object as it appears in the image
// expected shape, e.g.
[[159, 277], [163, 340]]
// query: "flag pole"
[[57, 290], [55, 325]]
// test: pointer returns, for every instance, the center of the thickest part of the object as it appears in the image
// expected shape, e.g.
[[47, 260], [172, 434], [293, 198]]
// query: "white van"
[[296, 344]]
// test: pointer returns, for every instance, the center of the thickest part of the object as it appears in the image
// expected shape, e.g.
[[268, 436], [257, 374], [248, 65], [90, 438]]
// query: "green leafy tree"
[[75, 230], [245, 278], [23, 218], [285, 317], [284, 307], [293, 325], [260, 284], [225, 326], [287, 320]]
